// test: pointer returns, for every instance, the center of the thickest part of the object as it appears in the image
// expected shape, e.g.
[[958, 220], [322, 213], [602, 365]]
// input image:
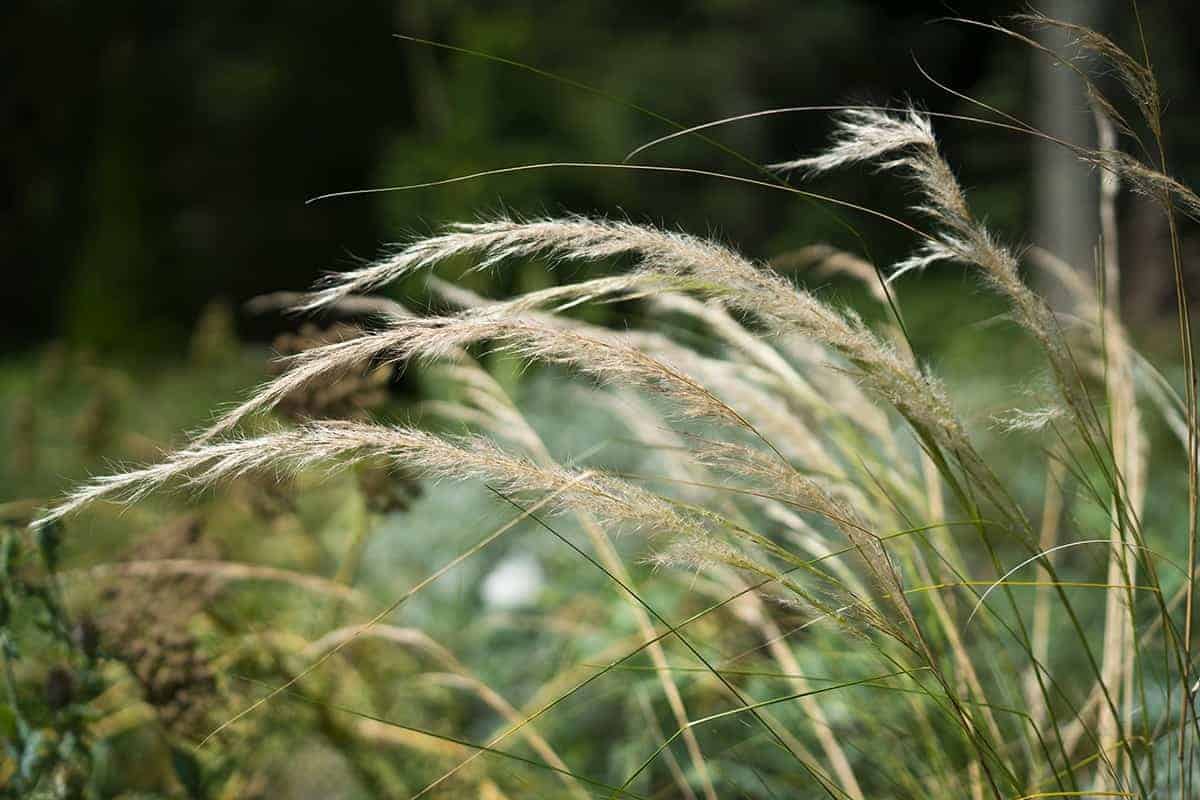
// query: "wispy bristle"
[[905, 142], [576, 238], [337, 444], [865, 135]]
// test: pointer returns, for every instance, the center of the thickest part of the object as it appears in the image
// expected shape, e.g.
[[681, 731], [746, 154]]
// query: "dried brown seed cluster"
[[60, 687], [144, 624], [340, 396], [175, 677], [387, 489]]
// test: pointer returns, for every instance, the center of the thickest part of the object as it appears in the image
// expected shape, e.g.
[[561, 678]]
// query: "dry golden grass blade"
[[509, 418], [458, 676], [383, 614], [1052, 507], [751, 611], [225, 571]]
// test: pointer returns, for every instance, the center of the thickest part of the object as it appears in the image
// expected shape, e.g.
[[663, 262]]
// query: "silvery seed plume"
[[738, 386], [866, 135], [1142, 86], [809, 540], [338, 444], [1138, 79], [709, 268], [576, 238], [752, 392], [781, 392], [715, 386], [549, 339], [671, 256], [1149, 182], [785, 482], [649, 426], [832, 603], [1028, 421], [758, 351], [557, 299], [905, 141], [838, 387], [601, 355], [715, 270], [810, 495], [349, 304], [825, 260], [303, 368]]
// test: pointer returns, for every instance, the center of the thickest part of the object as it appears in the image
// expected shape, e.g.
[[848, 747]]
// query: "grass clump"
[[917, 627]]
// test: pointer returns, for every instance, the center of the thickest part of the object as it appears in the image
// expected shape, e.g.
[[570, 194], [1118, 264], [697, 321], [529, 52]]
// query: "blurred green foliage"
[[161, 157], [81, 719]]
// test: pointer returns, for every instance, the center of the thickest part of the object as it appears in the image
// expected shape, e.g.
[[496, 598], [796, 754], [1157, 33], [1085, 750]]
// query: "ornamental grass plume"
[[813, 478]]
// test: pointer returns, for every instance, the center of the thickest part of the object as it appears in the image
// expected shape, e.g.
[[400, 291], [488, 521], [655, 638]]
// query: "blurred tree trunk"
[[1066, 204]]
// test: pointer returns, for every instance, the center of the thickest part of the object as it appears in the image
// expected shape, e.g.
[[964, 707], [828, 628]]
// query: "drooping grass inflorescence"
[[809, 462]]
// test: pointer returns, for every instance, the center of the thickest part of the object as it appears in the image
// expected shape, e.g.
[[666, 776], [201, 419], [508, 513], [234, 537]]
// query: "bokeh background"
[[157, 163], [157, 157]]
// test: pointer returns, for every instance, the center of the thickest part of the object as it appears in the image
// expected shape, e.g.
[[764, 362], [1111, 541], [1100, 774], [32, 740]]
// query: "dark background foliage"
[[159, 155]]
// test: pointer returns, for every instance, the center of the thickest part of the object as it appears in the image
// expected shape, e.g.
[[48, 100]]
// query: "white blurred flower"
[[515, 582]]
